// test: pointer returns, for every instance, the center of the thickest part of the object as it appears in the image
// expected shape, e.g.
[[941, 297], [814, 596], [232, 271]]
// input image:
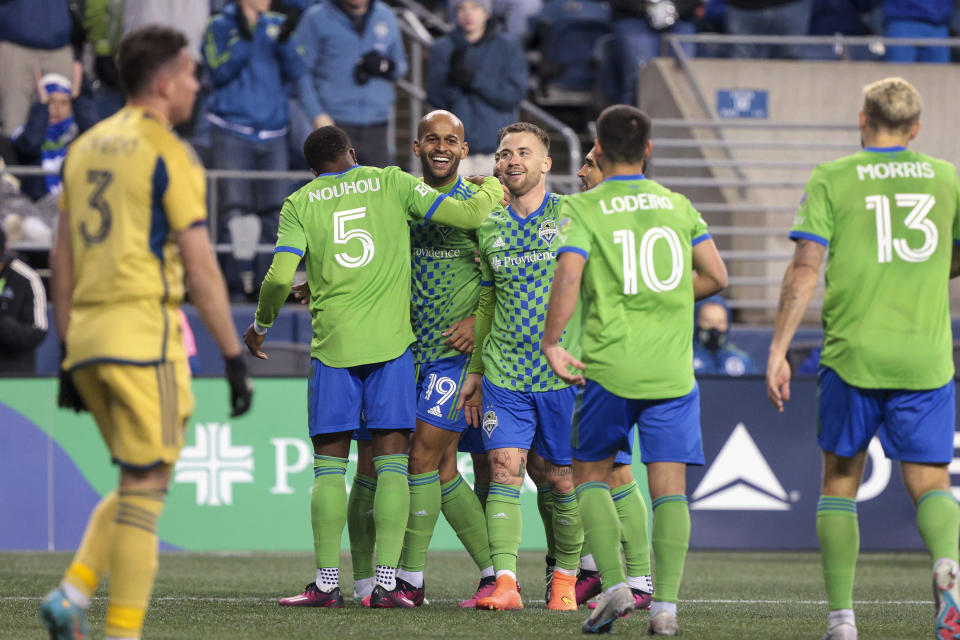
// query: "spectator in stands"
[[637, 27], [23, 313], [55, 120], [914, 19], [354, 53], [514, 14], [480, 75], [768, 18], [34, 34], [250, 55], [713, 353], [103, 25]]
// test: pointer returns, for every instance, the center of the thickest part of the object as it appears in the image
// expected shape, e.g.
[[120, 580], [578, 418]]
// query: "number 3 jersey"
[[518, 258], [130, 186], [637, 285], [889, 219]]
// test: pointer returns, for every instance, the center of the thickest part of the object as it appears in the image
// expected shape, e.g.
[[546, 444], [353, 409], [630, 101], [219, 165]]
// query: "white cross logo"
[[214, 465]]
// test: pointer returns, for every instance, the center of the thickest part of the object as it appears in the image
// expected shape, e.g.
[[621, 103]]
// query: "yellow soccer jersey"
[[129, 185]]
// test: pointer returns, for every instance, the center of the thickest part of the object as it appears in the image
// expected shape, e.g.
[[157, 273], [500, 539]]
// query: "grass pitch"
[[724, 595]]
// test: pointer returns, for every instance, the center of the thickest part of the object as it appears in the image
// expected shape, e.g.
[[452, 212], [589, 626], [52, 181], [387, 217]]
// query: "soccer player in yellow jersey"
[[132, 224]]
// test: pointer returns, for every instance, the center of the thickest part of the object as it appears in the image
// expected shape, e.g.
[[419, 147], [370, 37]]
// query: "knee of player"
[[155, 478], [560, 478]]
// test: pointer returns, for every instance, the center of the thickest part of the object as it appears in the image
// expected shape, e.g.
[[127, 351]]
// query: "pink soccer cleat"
[[312, 596], [485, 588]]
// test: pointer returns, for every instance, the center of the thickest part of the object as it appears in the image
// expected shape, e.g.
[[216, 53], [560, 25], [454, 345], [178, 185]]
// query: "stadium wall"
[[244, 484]]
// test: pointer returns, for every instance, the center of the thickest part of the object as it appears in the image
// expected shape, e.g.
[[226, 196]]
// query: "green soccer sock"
[[481, 491], [633, 528], [424, 511], [938, 518], [504, 526], [601, 530], [462, 510], [391, 506], [545, 507], [328, 508], [671, 537], [567, 531], [839, 534], [360, 525]]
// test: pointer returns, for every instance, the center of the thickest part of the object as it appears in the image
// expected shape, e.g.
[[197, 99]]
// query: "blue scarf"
[[54, 150]]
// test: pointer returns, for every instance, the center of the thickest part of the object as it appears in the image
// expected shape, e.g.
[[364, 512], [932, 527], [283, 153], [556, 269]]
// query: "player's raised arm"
[[799, 281], [422, 201]]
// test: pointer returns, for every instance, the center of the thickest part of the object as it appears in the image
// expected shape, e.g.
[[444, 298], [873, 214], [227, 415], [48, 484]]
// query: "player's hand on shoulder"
[[778, 381], [561, 361], [241, 386], [460, 335], [471, 399], [301, 292]]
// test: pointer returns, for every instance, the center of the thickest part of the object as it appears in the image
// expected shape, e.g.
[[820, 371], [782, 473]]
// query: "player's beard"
[[530, 181], [430, 176]]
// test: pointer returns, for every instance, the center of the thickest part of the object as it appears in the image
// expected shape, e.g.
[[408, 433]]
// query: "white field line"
[[259, 600]]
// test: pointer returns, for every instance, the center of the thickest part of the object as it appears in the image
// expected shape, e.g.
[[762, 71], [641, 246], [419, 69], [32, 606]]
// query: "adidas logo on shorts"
[[435, 411]]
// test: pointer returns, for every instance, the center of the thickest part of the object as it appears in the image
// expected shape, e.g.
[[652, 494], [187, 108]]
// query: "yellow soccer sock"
[[133, 560], [93, 557]]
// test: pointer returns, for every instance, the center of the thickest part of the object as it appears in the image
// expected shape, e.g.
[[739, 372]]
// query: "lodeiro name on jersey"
[[345, 188], [631, 202], [884, 170]]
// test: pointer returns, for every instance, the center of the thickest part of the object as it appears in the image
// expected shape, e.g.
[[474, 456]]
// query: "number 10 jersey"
[[889, 219]]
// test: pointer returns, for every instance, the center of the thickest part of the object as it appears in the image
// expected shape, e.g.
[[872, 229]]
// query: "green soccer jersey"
[[637, 284], [352, 230], [446, 279], [518, 258], [889, 219]]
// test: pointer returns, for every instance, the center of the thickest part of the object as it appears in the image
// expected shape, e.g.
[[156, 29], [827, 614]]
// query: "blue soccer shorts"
[[537, 420], [383, 393], [669, 429], [913, 426], [626, 457], [438, 392]]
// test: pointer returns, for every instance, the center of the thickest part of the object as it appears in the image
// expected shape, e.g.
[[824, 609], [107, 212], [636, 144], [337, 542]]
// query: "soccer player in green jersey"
[[640, 255], [524, 406], [888, 220], [350, 224], [446, 289], [624, 489]]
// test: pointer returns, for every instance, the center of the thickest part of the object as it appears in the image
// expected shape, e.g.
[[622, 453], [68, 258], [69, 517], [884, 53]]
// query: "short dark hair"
[[324, 145], [528, 127], [623, 132], [143, 52]]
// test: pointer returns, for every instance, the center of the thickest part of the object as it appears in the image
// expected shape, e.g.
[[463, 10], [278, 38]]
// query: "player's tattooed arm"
[[799, 281], [709, 271]]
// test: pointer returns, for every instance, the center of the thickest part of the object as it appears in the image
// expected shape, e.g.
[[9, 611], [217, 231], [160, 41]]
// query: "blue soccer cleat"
[[63, 619]]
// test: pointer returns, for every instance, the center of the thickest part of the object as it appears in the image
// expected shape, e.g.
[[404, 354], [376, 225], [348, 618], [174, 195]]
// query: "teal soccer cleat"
[[63, 619]]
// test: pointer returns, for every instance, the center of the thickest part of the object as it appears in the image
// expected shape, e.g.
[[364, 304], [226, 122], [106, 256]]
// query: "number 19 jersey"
[[637, 284], [889, 219]]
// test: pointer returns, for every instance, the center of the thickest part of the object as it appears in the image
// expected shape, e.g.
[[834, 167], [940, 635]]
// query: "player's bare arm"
[[799, 281], [955, 262], [564, 293], [460, 335], [61, 278], [710, 273]]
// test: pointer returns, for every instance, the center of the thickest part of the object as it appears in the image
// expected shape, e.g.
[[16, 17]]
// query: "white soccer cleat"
[[663, 624], [842, 631], [610, 606], [362, 588], [946, 598]]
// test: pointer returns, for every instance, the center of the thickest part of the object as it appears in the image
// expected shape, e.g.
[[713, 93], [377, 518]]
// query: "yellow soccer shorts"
[[141, 411]]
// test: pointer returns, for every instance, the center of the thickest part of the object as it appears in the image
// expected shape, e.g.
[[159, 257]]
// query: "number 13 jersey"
[[130, 186], [889, 220]]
